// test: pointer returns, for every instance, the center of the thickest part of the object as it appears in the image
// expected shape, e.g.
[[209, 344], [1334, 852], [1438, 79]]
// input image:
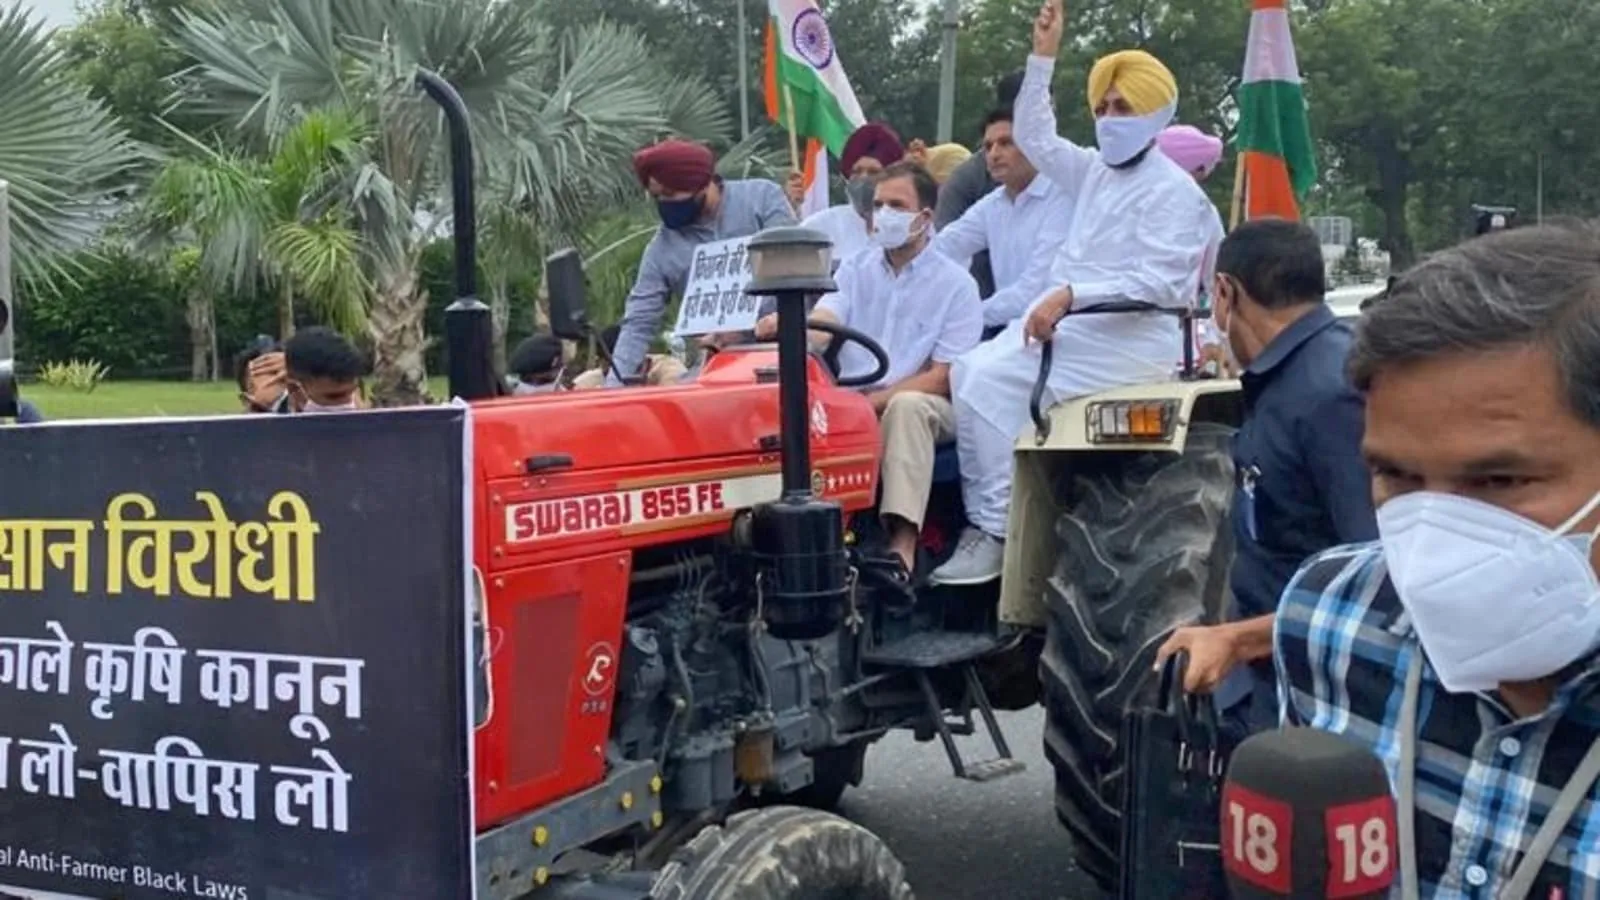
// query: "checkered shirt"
[[1485, 779]]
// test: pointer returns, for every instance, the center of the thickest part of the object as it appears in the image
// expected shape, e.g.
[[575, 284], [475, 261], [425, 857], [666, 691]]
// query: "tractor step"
[[993, 769], [921, 653], [933, 650]]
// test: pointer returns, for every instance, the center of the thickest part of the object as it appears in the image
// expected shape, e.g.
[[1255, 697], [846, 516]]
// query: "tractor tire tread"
[[783, 853], [1146, 543]]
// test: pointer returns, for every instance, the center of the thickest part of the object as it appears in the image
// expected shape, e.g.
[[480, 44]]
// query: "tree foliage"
[[62, 154]]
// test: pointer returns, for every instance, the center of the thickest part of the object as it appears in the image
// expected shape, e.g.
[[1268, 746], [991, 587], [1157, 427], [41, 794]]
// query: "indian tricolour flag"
[[804, 71], [1274, 136]]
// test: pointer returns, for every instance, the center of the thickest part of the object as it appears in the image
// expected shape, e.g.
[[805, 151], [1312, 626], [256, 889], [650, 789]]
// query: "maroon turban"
[[873, 139], [675, 165]]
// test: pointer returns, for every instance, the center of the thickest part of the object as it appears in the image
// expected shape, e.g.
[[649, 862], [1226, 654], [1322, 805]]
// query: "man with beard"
[[1139, 235]]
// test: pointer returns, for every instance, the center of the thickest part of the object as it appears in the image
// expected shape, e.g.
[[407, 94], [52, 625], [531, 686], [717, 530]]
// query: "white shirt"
[[844, 227], [929, 312], [1137, 234], [1022, 236]]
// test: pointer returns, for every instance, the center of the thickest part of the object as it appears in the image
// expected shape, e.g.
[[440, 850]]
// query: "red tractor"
[[690, 636]]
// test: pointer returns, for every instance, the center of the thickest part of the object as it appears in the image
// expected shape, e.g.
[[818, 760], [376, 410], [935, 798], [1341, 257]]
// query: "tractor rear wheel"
[[1146, 545], [783, 853]]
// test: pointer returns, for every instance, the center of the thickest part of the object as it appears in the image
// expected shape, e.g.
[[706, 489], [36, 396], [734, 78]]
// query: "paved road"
[[964, 841]]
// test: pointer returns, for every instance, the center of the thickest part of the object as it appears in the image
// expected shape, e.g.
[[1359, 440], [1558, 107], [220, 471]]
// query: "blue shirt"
[[747, 207], [1486, 779], [1302, 486]]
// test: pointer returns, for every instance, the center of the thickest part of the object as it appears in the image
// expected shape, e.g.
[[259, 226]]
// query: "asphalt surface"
[[966, 841]]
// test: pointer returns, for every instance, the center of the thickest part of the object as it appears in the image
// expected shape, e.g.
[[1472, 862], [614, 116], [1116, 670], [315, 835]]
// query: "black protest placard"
[[233, 658]]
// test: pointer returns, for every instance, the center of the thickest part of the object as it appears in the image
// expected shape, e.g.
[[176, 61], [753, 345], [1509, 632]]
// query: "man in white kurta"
[[1022, 223], [923, 310], [1139, 234]]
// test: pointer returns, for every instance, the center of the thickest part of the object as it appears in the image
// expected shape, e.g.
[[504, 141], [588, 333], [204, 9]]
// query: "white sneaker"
[[978, 559]]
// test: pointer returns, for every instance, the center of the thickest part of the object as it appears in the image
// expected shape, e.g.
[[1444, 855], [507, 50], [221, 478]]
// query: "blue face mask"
[[677, 214]]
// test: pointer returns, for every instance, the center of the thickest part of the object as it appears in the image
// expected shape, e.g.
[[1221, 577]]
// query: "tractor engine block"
[[703, 689]]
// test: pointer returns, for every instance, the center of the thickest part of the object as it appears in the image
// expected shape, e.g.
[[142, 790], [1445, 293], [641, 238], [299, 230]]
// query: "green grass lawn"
[[125, 399]]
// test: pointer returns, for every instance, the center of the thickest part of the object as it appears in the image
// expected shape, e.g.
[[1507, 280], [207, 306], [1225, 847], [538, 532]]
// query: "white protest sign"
[[713, 295]]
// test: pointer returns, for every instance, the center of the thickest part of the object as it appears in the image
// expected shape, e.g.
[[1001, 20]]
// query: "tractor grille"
[[546, 631]]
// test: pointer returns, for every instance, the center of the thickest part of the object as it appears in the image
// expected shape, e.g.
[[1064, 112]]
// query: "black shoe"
[[888, 575]]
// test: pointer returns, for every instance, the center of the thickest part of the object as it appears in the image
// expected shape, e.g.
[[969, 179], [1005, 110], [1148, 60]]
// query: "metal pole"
[[8, 383], [744, 75], [947, 70], [7, 328]]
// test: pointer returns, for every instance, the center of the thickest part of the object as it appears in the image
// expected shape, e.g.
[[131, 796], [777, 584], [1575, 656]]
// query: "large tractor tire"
[[783, 853], [1146, 545]]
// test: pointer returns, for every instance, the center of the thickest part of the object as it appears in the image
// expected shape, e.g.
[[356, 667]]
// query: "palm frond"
[[62, 155], [322, 259]]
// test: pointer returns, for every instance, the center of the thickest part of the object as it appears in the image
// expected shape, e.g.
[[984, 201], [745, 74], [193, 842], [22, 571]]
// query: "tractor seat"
[[946, 468]]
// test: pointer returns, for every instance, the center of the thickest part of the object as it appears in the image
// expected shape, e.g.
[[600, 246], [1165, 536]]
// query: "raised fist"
[[1047, 29]]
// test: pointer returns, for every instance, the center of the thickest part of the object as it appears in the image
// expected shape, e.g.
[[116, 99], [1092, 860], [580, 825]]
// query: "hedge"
[[127, 312]]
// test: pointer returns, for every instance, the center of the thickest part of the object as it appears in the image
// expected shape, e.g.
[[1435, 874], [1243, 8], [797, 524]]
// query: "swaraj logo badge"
[[599, 669]]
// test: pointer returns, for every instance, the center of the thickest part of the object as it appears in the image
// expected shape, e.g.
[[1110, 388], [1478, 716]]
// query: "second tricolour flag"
[[1276, 154], [803, 70]]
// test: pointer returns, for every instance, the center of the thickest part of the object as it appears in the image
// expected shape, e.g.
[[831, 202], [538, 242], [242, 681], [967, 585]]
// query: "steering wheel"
[[838, 336]]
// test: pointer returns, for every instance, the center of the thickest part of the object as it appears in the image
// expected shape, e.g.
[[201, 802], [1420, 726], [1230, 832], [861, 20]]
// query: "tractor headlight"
[[1126, 421]]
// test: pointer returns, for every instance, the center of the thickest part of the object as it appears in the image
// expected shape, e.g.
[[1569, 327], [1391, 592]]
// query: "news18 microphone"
[[1307, 814]]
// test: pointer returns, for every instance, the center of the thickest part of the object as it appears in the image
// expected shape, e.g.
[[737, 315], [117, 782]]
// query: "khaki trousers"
[[913, 424]]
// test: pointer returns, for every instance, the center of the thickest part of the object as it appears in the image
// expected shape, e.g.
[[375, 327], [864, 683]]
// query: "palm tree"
[[280, 221], [555, 117], [62, 155]]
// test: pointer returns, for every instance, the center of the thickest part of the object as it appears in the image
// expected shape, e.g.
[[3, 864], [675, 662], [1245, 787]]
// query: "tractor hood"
[[579, 472]]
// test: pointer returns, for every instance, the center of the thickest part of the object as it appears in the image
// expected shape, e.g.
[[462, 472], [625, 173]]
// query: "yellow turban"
[[1140, 78], [943, 160]]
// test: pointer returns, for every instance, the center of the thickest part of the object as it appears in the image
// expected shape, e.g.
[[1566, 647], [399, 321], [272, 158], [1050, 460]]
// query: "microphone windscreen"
[[1307, 814]]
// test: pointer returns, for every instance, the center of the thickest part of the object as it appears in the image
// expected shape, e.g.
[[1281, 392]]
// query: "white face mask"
[[522, 388], [1494, 597], [313, 406], [1121, 138], [891, 228], [1227, 338]]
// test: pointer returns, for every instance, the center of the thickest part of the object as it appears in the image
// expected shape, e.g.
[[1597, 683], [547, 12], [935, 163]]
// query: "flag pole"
[[744, 76], [1237, 209], [794, 138]]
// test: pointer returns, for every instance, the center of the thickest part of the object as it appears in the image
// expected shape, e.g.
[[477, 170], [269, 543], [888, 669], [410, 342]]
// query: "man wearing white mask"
[[923, 310], [1139, 234], [1463, 647], [316, 371], [871, 148]]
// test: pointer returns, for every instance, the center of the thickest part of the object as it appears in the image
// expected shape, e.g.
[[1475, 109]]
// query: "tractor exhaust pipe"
[[468, 322]]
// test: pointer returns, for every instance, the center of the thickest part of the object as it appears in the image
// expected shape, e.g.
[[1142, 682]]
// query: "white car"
[[1346, 301]]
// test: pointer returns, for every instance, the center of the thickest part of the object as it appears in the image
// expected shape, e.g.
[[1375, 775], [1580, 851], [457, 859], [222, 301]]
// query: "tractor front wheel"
[[783, 853]]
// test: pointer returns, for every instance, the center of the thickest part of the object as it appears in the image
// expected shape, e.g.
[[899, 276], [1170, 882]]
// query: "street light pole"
[[744, 75], [947, 70]]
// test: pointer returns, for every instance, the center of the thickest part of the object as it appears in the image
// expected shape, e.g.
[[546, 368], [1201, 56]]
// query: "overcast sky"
[[56, 12]]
